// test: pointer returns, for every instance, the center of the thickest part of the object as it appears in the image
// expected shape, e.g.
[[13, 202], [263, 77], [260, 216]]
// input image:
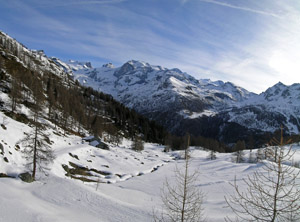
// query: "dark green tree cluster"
[[71, 106], [173, 142]]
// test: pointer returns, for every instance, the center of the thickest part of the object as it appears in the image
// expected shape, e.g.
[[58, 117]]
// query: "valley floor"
[[129, 185]]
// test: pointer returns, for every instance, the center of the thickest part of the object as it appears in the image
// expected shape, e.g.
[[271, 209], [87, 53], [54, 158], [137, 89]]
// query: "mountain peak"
[[279, 84], [276, 88], [80, 65], [137, 64], [108, 65]]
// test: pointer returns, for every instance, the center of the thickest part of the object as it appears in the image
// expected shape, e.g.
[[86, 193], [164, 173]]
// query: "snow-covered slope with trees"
[[181, 103], [124, 185], [81, 182], [33, 59]]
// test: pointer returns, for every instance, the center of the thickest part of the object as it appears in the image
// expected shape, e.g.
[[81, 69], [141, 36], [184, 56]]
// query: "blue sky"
[[253, 43]]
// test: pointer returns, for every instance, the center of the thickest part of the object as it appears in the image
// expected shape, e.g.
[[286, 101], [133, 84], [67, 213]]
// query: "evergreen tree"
[[239, 155], [212, 155]]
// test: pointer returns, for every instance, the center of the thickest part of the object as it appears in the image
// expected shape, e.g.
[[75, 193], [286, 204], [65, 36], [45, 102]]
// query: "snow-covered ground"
[[128, 183]]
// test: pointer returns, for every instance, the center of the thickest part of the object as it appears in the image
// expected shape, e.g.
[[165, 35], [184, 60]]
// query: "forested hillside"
[[35, 81], [32, 79]]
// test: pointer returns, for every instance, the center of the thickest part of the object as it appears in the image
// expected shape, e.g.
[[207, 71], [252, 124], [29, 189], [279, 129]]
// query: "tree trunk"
[[34, 153], [185, 179]]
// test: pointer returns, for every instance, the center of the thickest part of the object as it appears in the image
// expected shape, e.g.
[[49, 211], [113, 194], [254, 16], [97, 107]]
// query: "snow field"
[[129, 192]]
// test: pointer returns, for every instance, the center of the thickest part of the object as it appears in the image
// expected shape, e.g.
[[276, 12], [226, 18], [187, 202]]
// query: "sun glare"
[[285, 66]]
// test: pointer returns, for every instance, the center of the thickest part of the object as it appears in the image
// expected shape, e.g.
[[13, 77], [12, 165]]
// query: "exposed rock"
[[26, 177]]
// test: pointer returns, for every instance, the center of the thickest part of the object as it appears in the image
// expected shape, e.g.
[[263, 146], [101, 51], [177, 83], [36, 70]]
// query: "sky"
[[252, 43]]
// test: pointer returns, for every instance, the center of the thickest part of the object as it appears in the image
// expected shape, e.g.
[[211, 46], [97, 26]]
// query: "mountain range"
[[182, 103], [178, 101]]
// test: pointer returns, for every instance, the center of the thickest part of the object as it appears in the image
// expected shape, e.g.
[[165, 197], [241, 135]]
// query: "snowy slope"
[[71, 65], [36, 59], [57, 197]]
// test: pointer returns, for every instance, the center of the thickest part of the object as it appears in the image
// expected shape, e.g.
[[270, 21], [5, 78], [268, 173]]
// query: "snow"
[[194, 115], [148, 88], [44, 64], [130, 190], [129, 185]]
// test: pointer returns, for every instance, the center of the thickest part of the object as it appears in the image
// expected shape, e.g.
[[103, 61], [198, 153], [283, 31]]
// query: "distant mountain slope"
[[135, 82], [203, 107]]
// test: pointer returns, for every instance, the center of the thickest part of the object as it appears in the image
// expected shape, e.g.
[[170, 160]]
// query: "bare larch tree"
[[182, 201], [271, 194], [36, 145]]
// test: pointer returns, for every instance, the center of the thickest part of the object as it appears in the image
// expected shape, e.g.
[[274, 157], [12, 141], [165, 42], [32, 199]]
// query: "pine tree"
[[238, 155], [212, 155]]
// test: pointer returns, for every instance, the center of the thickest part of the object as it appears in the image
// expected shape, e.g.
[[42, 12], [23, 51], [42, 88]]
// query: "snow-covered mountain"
[[145, 88], [35, 59], [204, 107], [71, 65], [86, 183], [175, 99], [278, 105]]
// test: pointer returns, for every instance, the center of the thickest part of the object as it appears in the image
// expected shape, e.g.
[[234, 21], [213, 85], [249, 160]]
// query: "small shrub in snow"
[[212, 155], [4, 122], [137, 144], [238, 155], [296, 164], [259, 155], [252, 157]]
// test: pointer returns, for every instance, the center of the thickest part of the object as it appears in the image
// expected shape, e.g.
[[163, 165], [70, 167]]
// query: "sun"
[[285, 66]]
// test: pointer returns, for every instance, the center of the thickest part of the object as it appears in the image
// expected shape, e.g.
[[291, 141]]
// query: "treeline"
[[179, 143], [76, 108], [72, 107]]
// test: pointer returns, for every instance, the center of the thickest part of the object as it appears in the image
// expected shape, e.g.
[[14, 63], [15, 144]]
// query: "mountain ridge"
[[175, 99], [171, 96]]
